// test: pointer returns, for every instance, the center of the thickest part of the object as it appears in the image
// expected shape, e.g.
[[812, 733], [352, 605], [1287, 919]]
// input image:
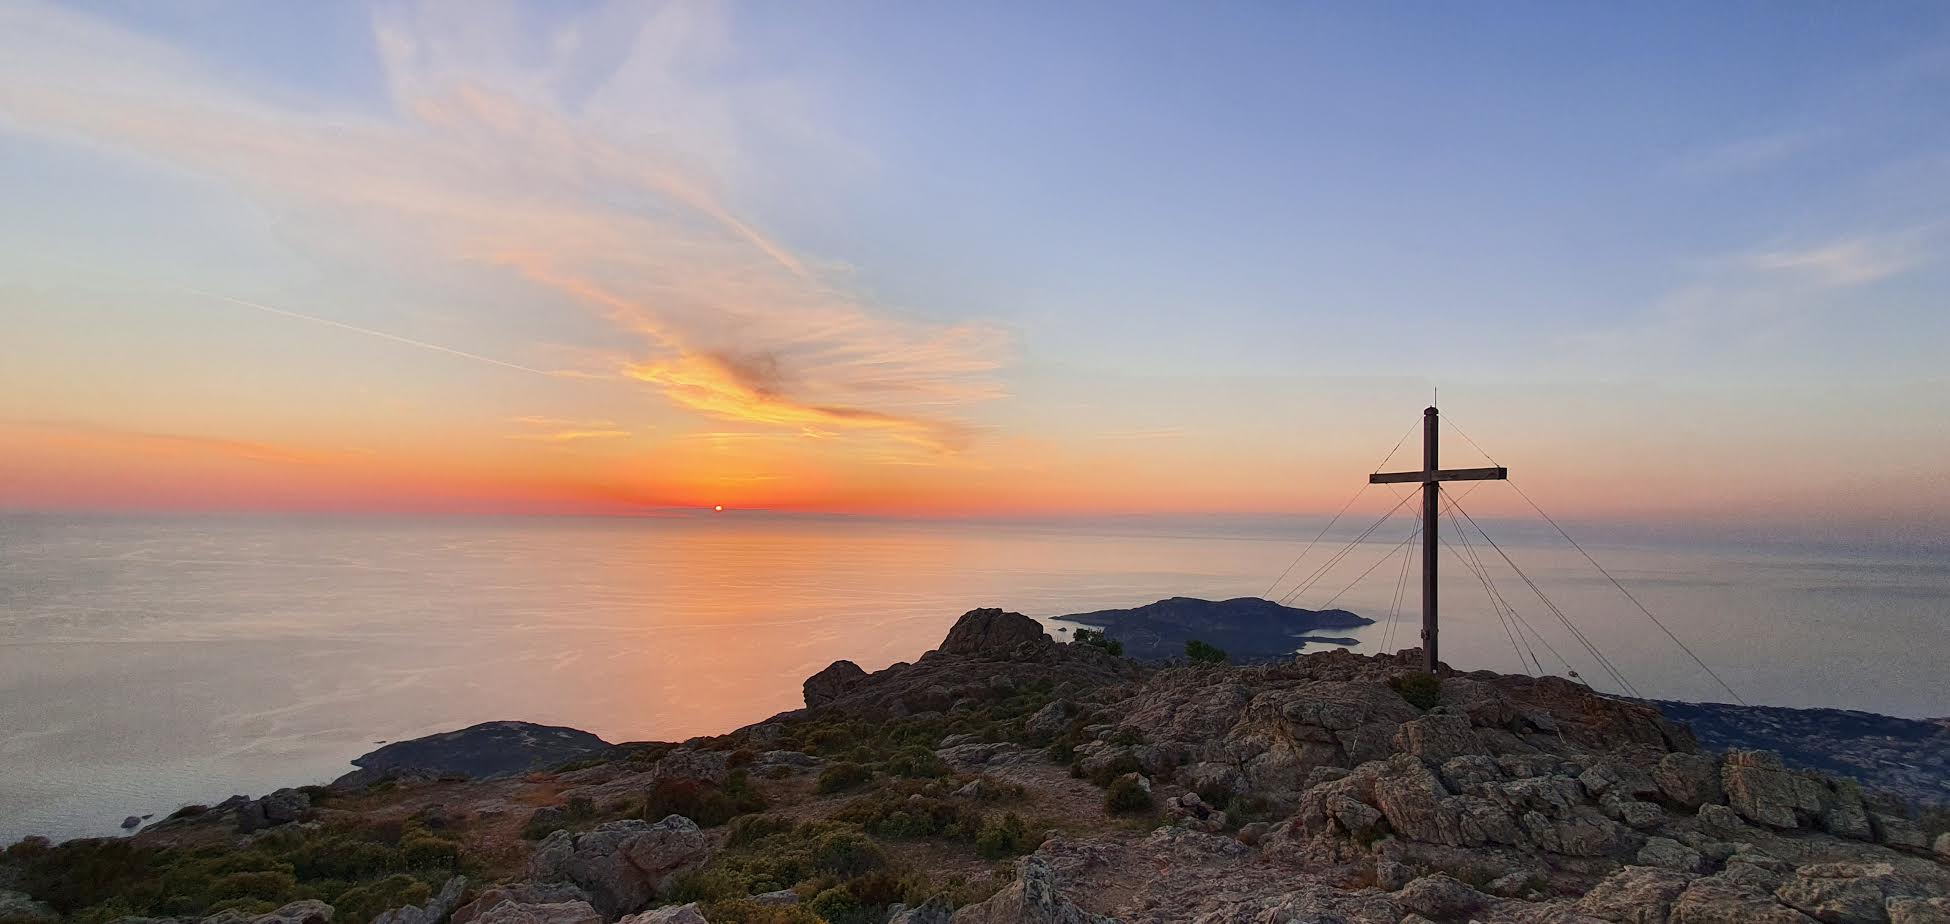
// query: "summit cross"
[[1431, 478]]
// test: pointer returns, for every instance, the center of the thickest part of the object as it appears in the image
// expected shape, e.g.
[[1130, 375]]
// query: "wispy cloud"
[[597, 171], [561, 430], [1848, 261]]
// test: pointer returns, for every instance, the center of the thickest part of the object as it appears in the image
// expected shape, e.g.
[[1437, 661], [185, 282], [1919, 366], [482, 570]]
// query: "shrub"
[[426, 852], [1097, 639], [1422, 690], [838, 906], [915, 761], [705, 803], [1003, 836], [741, 758], [1126, 794], [364, 902], [842, 775], [749, 829], [1199, 651], [844, 852], [746, 911]]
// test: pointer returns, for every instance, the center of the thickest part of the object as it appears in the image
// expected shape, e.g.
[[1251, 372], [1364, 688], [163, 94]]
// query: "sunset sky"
[[1667, 262]]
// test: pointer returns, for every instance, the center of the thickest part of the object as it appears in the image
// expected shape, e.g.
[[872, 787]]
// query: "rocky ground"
[[1008, 778], [1906, 756]]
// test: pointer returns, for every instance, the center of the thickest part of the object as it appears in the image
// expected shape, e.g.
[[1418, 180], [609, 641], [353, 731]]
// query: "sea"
[[148, 662]]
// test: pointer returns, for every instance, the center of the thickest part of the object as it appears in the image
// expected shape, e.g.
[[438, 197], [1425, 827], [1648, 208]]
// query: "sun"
[[718, 508]]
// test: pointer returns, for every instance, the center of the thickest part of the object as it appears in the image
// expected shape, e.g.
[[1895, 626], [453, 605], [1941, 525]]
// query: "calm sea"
[[146, 663]]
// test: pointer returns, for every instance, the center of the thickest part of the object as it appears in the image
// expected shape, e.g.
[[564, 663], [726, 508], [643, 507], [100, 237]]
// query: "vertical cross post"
[[1431, 478], [1431, 508]]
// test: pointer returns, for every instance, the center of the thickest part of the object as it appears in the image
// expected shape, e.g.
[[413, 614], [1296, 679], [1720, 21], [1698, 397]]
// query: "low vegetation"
[[1199, 651], [360, 869], [1422, 690], [1098, 639]]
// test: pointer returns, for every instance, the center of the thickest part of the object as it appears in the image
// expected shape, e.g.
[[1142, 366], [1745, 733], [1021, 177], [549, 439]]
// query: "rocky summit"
[[1006, 777]]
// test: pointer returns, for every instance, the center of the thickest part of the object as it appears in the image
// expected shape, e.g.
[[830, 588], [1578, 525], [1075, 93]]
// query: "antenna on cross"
[[1431, 478]]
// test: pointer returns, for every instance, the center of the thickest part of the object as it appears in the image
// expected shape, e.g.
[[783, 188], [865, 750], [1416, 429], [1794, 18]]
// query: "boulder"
[[508, 912], [1635, 895], [1942, 847], [18, 906], [1441, 896], [1666, 853], [838, 679], [1897, 831], [1763, 792], [1034, 898], [993, 632], [308, 911], [622, 864], [529, 893], [1714, 900], [675, 914], [1051, 720], [434, 911], [1437, 737], [1919, 910], [1688, 780], [1839, 893], [935, 910], [701, 766]]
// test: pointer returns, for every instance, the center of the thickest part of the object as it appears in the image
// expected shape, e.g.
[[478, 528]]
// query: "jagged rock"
[[18, 906], [1391, 875], [1051, 720], [1359, 819], [1844, 815], [1942, 846], [838, 679], [970, 758], [935, 910], [1763, 792], [511, 912], [779, 897], [1840, 893], [993, 631], [1897, 831], [1436, 738], [433, 911], [281, 807], [1034, 898], [308, 911], [1919, 910], [1635, 895], [1722, 822], [1667, 853], [622, 864], [1441, 896], [1716, 901], [675, 914], [1689, 780], [528, 893]]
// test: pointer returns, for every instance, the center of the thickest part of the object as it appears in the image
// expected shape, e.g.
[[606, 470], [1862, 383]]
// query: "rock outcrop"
[[832, 683], [485, 751], [993, 631], [622, 865]]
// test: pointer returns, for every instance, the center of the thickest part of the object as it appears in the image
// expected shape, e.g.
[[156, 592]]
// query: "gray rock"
[[780, 897], [1897, 831], [1666, 853], [308, 911], [1942, 846], [675, 914], [1839, 893], [1763, 792], [1722, 822], [511, 912], [1689, 780], [17, 906], [1051, 720], [1392, 876], [1034, 898], [622, 864], [935, 910], [529, 893], [1919, 910], [1714, 900], [1441, 896], [993, 632], [838, 679], [1635, 895]]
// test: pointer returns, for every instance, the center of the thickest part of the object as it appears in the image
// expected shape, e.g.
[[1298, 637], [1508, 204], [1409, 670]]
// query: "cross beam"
[[1431, 478]]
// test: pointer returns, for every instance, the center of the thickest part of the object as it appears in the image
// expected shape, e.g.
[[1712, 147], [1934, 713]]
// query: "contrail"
[[422, 344], [246, 303]]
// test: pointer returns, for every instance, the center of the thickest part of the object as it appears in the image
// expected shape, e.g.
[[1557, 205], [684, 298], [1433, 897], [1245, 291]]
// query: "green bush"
[[1097, 639], [274, 886], [842, 775], [1002, 836], [1199, 651], [915, 761], [1126, 795], [705, 803], [427, 852], [746, 911], [749, 829], [838, 906], [1422, 690], [843, 852], [364, 902]]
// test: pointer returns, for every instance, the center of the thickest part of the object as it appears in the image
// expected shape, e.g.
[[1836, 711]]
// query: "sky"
[[1668, 262]]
